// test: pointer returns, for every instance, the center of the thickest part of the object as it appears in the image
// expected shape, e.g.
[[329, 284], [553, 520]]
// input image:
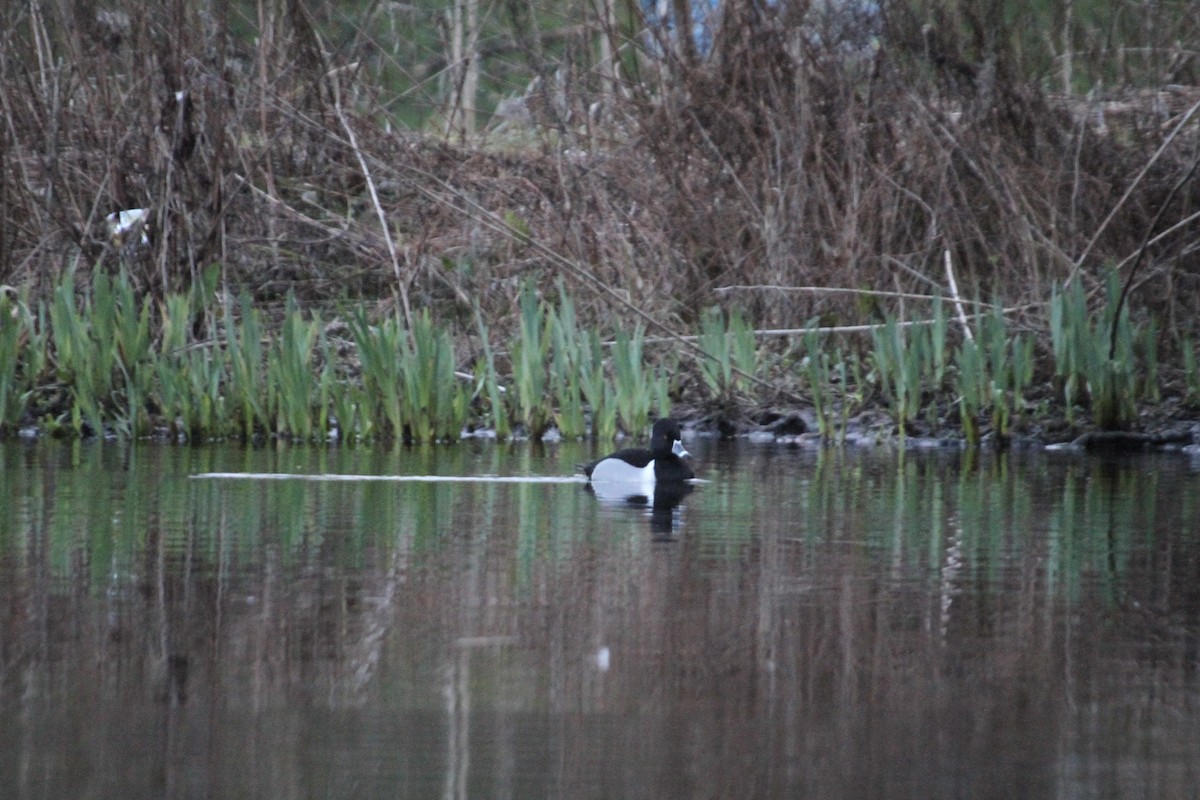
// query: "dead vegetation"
[[794, 157]]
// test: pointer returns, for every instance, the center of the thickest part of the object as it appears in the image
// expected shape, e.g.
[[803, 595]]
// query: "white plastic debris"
[[122, 224]]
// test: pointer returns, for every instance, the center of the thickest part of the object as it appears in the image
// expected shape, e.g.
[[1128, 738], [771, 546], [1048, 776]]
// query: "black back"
[[667, 465]]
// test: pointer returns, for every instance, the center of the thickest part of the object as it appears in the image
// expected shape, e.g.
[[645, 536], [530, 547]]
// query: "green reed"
[[243, 346], [18, 364], [115, 373], [1008, 371], [532, 407], [292, 384], [567, 369], [899, 357], [487, 374], [937, 354], [435, 401], [84, 357], [633, 381], [188, 382], [816, 366], [410, 389], [849, 371], [1191, 372], [992, 371], [341, 399], [745, 349], [328, 388], [200, 401], [1094, 355], [971, 386], [926, 363], [598, 392], [378, 353], [730, 351], [106, 360], [135, 356]]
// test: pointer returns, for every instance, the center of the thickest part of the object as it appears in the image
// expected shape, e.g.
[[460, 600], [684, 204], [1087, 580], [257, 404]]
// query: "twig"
[[1141, 252], [1162, 148], [838, 290], [763, 332], [911, 272], [471, 208], [383, 223], [958, 305]]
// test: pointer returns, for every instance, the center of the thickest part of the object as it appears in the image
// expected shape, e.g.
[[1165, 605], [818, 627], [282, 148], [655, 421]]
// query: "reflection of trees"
[[990, 628]]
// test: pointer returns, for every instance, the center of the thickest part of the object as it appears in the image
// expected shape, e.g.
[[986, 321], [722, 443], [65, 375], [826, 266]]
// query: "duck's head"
[[667, 439]]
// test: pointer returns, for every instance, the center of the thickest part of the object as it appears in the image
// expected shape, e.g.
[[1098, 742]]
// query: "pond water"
[[801, 625]]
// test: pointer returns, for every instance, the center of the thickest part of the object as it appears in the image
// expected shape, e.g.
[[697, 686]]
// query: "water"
[[801, 625]]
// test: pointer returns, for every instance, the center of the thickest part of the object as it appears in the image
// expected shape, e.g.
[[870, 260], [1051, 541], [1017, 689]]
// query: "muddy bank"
[[1165, 432]]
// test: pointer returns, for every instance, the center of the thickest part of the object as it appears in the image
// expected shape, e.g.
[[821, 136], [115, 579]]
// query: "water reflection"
[[817, 625], [661, 503]]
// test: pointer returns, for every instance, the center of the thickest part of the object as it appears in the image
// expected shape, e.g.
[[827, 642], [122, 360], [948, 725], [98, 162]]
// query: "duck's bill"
[[678, 450]]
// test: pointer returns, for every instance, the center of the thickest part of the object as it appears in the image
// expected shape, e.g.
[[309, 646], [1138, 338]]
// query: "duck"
[[663, 462]]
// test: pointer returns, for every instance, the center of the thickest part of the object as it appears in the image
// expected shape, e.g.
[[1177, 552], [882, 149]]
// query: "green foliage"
[[1008, 370], [529, 356], [75, 362], [17, 362], [243, 344], [110, 371], [341, 399], [410, 387], [104, 334], [971, 386], [379, 356], [992, 372], [817, 372], [848, 365], [561, 373], [634, 381], [435, 401], [1089, 368], [834, 379], [566, 369], [730, 352], [1191, 372], [131, 330], [898, 356], [491, 380], [292, 384], [598, 391], [189, 380], [937, 353]]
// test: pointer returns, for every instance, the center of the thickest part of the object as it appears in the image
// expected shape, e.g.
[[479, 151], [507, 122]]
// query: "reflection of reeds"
[[833, 610]]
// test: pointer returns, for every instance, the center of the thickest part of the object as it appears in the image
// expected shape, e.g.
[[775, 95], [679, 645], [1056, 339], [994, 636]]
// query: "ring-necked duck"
[[662, 462]]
